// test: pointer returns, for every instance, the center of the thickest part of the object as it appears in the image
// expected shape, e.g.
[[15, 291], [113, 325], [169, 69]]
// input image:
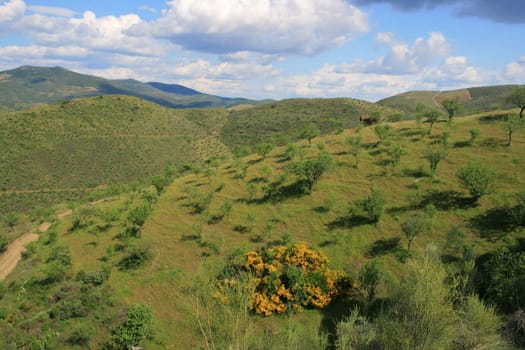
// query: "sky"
[[366, 49]]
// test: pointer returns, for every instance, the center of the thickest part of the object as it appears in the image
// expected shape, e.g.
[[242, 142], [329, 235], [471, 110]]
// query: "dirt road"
[[10, 258]]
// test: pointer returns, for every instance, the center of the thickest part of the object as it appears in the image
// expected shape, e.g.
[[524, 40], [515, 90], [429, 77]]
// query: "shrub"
[[477, 178], [4, 242], [289, 278], [81, 334], [136, 256], [369, 278], [370, 207], [137, 327], [138, 215], [474, 135]]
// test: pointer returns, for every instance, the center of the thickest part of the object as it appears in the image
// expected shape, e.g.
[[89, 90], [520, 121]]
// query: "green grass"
[[180, 261], [314, 218]]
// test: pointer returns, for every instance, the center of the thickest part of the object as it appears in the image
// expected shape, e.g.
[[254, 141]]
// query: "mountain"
[[27, 86], [174, 89], [474, 100]]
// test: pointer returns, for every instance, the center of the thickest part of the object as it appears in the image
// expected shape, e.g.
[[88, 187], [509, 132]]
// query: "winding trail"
[[10, 258], [13, 254]]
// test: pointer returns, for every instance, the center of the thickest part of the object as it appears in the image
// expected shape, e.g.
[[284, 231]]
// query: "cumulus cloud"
[[267, 26], [515, 71], [107, 33], [505, 11], [402, 58], [10, 12]]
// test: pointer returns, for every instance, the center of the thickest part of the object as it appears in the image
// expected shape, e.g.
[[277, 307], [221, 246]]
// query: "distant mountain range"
[[27, 86]]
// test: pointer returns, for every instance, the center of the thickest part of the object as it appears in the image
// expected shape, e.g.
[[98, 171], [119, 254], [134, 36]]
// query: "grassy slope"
[[162, 282], [474, 100], [286, 119], [176, 261], [96, 141]]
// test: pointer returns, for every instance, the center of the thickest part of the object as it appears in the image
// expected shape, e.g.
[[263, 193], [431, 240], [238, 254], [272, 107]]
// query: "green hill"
[[98, 141], [473, 100], [27, 86], [284, 121], [170, 253]]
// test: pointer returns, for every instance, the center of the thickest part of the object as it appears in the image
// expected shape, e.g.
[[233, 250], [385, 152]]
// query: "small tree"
[[432, 117], [369, 278], [395, 153], [414, 226], [137, 327], [311, 132], [311, 170], [477, 178], [517, 98], [226, 209], [290, 151], [355, 148], [264, 148], [474, 135], [370, 207], [452, 106], [434, 156], [511, 125], [382, 132]]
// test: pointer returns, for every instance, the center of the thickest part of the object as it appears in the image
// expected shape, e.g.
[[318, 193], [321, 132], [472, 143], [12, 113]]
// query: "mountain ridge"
[[27, 86]]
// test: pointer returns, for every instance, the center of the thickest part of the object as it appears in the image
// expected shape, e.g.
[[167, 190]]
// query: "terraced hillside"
[[473, 100]]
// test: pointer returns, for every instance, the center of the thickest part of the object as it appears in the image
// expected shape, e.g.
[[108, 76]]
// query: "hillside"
[[98, 141], [473, 100], [171, 260], [283, 121], [27, 86]]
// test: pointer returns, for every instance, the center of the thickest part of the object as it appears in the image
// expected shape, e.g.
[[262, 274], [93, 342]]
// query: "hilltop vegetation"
[[473, 100], [390, 205], [57, 152], [284, 121]]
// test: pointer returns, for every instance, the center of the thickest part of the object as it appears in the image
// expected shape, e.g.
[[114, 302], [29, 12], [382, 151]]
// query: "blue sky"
[[367, 49]]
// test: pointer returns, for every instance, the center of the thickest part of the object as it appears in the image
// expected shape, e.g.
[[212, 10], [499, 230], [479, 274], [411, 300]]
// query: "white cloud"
[[515, 71], [267, 26], [402, 59], [10, 12], [51, 10]]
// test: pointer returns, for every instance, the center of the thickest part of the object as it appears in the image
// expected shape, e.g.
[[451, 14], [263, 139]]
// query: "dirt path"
[[13, 254], [10, 258]]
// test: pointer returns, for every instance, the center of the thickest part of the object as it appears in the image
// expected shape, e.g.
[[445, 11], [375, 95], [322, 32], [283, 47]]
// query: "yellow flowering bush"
[[290, 278]]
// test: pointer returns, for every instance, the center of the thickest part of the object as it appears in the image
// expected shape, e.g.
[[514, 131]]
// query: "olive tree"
[[477, 178], [452, 106], [517, 98]]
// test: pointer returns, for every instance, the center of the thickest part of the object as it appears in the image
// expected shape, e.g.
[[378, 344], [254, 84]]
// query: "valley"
[[280, 225]]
